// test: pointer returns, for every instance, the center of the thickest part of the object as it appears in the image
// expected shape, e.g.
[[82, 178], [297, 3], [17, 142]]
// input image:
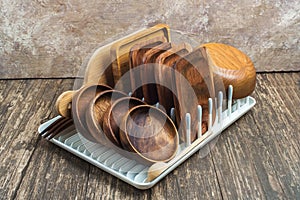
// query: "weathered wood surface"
[[258, 157], [50, 38]]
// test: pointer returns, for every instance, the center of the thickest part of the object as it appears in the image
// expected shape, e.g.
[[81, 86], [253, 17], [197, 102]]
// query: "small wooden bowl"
[[114, 115], [149, 132], [80, 102], [96, 111]]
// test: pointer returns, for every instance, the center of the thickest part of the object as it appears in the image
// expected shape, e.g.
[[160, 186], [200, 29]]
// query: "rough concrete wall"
[[51, 38]]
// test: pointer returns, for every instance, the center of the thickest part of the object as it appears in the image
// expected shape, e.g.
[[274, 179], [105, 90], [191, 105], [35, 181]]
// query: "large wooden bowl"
[[233, 66], [150, 133], [114, 116]]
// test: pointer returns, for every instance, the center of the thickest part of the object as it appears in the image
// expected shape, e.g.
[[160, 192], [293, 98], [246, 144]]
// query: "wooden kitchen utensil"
[[148, 72], [95, 112], [114, 115], [164, 74], [233, 66], [80, 103], [136, 60], [194, 86], [150, 133], [120, 50]]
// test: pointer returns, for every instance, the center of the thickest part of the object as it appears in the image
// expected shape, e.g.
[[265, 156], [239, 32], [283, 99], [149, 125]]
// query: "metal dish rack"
[[133, 172]]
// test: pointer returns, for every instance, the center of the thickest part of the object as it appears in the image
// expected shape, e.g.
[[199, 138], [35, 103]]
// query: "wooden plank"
[[283, 133], [195, 179], [54, 174], [26, 103], [258, 157]]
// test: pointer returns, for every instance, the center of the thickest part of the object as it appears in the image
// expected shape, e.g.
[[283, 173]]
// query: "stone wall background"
[[52, 38]]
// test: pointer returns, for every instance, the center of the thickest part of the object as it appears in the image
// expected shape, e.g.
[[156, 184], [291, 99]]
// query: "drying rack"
[[133, 172]]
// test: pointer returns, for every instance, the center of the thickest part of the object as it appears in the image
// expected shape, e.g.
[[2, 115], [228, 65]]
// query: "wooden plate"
[[120, 50], [148, 72], [194, 85], [136, 61], [114, 116], [164, 74]]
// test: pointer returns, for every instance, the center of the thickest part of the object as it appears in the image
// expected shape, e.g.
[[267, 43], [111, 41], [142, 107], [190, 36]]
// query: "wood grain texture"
[[194, 86], [25, 104], [258, 157], [233, 67], [120, 51]]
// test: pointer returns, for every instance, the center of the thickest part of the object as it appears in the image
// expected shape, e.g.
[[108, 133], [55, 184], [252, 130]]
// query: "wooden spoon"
[[158, 168]]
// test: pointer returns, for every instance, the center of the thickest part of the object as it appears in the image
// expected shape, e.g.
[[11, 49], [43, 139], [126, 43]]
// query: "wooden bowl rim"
[[167, 119], [90, 111], [110, 109], [75, 109]]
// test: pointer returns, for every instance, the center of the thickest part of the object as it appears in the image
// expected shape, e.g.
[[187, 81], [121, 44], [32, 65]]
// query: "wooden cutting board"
[[194, 85], [136, 61], [164, 74], [120, 51], [148, 72]]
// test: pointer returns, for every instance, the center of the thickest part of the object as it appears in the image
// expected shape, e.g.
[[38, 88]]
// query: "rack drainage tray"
[[131, 171]]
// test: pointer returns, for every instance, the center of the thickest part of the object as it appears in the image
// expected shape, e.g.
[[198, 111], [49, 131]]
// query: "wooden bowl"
[[233, 66], [96, 111], [150, 133], [114, 115], [80, 102]]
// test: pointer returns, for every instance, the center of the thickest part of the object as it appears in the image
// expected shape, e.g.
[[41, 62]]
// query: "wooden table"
[[258, 157]]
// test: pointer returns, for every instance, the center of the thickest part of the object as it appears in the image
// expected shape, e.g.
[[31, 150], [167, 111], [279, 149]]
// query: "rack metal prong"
[[219, 109], [210, 107], [229, 102], [188, 129], [199, 112]]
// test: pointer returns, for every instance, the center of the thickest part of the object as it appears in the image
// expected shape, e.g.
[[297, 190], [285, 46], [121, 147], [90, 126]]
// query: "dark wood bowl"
[[150, 133], [96, 110], [114, 115], [80, 102]]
